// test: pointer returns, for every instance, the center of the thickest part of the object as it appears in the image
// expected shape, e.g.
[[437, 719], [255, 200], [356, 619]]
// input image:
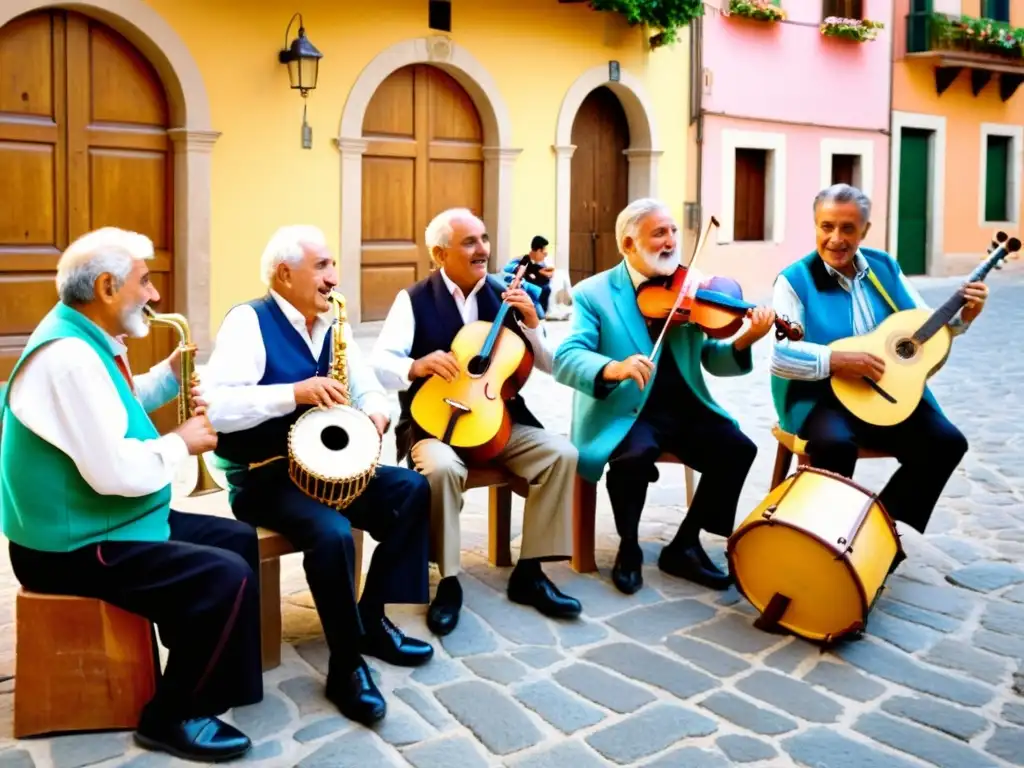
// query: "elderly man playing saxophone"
[[85, 492], [269, 367]]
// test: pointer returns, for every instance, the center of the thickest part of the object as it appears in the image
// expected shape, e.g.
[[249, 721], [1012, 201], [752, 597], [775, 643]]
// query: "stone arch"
[[643, 152], [191, 132], [499, 155]]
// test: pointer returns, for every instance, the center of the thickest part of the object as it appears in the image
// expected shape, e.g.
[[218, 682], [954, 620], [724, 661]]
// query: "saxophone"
[[333, 452], [204, 480]]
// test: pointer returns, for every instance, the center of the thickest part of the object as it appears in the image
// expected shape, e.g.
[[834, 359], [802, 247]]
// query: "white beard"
[[658, 265], [134, 322]]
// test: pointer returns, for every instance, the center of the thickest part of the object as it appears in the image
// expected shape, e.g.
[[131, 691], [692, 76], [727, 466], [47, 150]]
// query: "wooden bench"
[[584, 513], [790, 445], [272, 546]]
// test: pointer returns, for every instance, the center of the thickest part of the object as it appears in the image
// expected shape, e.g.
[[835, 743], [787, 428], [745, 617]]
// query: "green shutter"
[[997, 169], [997, 10]]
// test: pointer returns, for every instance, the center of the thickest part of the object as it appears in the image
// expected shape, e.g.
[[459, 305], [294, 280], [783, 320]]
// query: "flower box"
[[858, 30], [759, 10]]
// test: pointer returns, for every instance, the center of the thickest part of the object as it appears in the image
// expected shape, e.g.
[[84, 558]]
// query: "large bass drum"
[[814, 555], [333, 453]]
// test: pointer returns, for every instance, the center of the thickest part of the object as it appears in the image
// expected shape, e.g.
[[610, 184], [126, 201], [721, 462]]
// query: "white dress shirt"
[[64, 394], [390, 356], [230, 379], [811, 362]]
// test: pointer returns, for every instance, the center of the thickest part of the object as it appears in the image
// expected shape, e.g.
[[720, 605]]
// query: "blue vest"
[[438, 321], [288, 362], [828, 316]]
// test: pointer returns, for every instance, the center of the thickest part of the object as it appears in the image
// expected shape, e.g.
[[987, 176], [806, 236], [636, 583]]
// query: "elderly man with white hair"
[[415, 344], [85, 493], [628, 408], [269, 367]]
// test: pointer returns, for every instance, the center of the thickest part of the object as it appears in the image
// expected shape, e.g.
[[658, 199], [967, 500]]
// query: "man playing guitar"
[[841, 290]]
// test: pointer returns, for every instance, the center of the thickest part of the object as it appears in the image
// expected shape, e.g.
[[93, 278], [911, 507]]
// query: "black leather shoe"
[[443, 614], [202, 739], [627, 573], [387, 642], [693, 564], [356, 696], [540, 593]]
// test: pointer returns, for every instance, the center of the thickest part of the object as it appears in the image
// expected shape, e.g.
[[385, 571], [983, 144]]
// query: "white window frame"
[[936, 187], [1016, 136], [862, 148], [775, 183]]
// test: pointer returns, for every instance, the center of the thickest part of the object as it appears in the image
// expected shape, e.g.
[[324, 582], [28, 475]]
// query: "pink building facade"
[[781, 111]]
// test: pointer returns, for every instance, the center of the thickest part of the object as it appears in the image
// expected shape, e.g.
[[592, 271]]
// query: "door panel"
[[424, 155], [912, 239], [599, 186], [83, 144]]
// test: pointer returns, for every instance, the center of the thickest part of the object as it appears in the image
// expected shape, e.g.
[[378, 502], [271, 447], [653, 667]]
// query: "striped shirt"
[[810, 362]]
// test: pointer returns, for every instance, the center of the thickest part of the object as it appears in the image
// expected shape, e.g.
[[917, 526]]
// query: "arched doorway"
[[600, 183], [84, 143], [424, 154]]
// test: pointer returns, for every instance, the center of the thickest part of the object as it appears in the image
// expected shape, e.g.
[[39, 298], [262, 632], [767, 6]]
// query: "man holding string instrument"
[[415, 344], [840, 290], [269, 368], [629, 408], [86, 491]]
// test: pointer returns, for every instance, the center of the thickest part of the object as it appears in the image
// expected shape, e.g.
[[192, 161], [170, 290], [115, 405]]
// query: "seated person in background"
[[413, 345], [86, 491], [537, 278], [628, 409], [269, 367], [839, 290]]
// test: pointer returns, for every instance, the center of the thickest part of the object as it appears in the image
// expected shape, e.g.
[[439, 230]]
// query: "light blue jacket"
[[607, 327]]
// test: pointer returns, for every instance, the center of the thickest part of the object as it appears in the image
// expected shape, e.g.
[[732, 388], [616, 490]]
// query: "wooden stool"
[[584, 512], [790, 445], [80, 665]]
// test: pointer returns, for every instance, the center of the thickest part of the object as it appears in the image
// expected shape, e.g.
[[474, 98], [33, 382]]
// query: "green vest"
[[45, 503]]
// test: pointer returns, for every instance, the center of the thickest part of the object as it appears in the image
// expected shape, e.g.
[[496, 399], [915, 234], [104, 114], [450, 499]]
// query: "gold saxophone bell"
[[204, 481]]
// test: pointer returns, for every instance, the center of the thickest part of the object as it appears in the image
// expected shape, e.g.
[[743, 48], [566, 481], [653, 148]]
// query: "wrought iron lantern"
[[303, 61]]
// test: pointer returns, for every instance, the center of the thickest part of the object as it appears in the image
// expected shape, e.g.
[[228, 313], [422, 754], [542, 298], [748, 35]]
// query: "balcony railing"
[[983, 46]]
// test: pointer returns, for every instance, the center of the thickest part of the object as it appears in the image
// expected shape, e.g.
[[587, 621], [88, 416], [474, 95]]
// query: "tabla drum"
[[814, 555], [333, 453]]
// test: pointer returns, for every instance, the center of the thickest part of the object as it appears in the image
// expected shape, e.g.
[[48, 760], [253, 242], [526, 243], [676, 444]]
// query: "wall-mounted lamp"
[[303, 60]]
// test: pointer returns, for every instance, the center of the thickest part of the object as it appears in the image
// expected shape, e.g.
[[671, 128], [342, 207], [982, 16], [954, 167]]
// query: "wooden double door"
[[83, 144]]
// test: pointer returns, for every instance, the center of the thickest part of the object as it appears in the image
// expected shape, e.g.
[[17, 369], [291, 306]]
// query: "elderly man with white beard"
[[628, 409]]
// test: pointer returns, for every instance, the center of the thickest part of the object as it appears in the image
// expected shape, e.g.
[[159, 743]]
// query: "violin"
[[714, 303]]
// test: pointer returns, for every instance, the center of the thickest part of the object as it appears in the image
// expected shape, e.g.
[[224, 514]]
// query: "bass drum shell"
[[813, 551]]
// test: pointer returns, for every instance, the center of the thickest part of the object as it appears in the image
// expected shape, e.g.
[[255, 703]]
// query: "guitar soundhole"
[[906, 349], [477, 366]]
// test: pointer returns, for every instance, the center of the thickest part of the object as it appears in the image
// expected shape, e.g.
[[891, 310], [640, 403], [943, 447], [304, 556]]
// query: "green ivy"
[[665, 15]]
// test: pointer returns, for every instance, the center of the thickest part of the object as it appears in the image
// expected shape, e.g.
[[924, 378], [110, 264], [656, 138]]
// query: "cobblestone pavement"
[[676, 675]]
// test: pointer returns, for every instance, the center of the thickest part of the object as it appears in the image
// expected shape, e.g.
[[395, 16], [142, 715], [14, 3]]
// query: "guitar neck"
[[944, 314]]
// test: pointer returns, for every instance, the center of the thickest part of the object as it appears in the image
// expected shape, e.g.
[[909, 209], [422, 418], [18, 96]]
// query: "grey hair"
[[629, 218], [844, 193], [287, 246], [107, 249], [439, 231]]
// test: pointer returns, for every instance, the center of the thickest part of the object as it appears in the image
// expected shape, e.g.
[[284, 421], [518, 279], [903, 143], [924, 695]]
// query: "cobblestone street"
[[676, 675]]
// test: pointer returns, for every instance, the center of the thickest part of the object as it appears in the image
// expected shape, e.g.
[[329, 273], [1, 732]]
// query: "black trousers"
[[201, 589], [927, 446], [394, 509], [703, 440]]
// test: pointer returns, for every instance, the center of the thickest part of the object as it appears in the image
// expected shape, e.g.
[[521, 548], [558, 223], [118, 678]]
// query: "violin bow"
[[679, 298]]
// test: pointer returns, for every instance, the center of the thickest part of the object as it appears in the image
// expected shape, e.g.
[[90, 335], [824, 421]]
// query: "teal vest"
[[45, 503], [828, 316]]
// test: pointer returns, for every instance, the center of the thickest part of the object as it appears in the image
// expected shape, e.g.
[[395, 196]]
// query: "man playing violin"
[[413, 345], [843, 289], [628, 409]]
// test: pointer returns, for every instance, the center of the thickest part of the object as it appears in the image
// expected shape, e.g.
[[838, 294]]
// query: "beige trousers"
[[546, 461]]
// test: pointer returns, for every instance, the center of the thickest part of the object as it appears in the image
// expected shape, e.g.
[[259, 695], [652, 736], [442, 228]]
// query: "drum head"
[[334, 443], [825, 595]]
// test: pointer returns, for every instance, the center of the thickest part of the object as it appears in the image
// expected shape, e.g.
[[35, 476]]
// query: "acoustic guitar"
[[914, 344], [469, 413]]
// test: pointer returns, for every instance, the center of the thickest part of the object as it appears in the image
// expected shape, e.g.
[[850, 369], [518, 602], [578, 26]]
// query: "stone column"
[[563, 197], [643, 172], [192, 185], [499, 163], [350, 246]]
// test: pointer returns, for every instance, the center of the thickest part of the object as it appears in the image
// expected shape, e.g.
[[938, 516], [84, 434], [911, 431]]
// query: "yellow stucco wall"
[[262, 178]]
